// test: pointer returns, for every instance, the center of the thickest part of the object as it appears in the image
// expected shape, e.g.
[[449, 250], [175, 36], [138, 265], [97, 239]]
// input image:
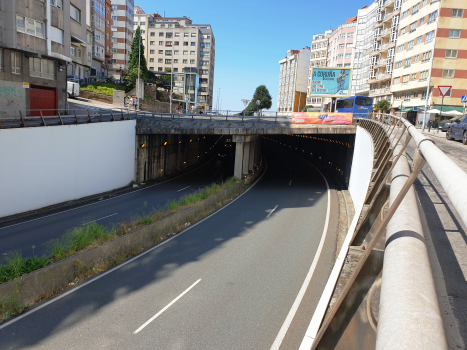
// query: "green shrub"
[[102, 88]]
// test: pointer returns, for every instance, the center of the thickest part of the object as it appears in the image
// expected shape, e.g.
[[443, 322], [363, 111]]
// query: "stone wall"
[[98, 97]]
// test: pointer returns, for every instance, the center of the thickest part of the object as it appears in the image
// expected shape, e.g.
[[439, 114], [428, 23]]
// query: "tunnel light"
[[143, 145], [165, 143], [184, 162], [179, 141], [191, 140]]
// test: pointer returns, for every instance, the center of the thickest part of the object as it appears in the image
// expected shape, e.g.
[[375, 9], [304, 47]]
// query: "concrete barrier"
[[46, 282]]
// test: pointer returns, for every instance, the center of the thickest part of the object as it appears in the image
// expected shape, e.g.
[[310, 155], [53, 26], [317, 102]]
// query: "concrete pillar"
[[252, 162], [238, 160], [246, 158]]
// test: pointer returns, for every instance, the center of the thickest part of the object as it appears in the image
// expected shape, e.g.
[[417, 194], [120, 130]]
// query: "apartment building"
[[95, 10], [366, 20], [318, 58], [122, 35], [293, 81], [413, 59], [184, 47], [35, 49], [384, 48]]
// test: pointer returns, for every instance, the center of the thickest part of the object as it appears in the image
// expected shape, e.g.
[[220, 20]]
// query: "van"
[[72, 89]]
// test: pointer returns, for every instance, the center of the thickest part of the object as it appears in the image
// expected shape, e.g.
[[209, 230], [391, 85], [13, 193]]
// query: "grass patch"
[[91, 234], [102, 88]]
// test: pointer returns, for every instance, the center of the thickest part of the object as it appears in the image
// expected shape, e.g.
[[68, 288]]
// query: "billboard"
[[324, 118], [330, 82]]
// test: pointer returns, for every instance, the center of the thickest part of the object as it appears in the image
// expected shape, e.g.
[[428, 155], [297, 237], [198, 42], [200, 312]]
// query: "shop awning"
[[449, 108], [405, 110]]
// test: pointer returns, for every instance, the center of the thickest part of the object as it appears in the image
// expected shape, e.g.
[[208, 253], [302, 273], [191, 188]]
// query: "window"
[[175, 70], [185, 43], [73, 51], [168, 35], [176, 60], [419, 40], [193, 35], [161, 33], [56, 35], [429, 36], [423, 95], [176, 52], [151, 51], [113, 28], [152, 43], [159, 69], [185, 35], [89, 57], [75, 13], [161, 43], [408, 62], [413, 27], [348, 55], [424, 2], [423, 75], [168, 43], [426, 56], [30, 26], [350, 35], [403, 31], [421, 21], [185, 52], [342, 36], [176, 43], [432, 17], [407, 96], [57, 3], [415, 94], [177, 35], [396, 80], [192, 52], [16, 62], [448, 73], [192, 61], [415, 8], [410, 45], [454, 33], [341, 46], [457, 13], [340, 56], [168, 52], [143, 24], [451, 54], [151, 60], [414, 76], [346, 64], [398, 64], [160, 52], [349, 45], [400, 48], [168, 61], [42, 68], [193, 43], [405, 14], [416, 58], [185, 61], [405, 79], [398, 96], [160, 60], [152, 34], [204, 63]]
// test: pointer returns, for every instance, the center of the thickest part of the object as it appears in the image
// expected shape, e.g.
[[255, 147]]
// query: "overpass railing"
[[397, 264]]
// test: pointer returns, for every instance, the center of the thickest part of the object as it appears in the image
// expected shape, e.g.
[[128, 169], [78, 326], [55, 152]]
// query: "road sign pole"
[[439, 119]]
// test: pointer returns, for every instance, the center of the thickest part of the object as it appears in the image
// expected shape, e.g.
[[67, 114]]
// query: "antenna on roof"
[[164, 14]]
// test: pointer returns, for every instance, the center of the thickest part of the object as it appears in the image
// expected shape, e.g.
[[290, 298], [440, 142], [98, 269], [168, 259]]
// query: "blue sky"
[[252, 36]]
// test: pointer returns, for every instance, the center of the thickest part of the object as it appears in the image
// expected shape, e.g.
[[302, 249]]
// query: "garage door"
[[43, 99]]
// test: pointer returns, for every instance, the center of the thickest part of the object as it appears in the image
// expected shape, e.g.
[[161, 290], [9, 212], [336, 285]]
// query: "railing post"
[[121, 110], [100, 112], [22, 119], [76, 117], [112, 114], [60, 117], [42, 117], [89, 117]]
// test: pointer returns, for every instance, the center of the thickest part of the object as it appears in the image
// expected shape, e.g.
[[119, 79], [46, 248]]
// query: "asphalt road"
[[22, 235], [227, 282]]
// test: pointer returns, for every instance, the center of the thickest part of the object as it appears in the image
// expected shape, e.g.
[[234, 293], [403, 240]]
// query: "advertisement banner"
[[330, 82], [334, 118]]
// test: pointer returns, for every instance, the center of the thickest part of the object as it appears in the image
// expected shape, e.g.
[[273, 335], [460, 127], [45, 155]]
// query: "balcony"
[[387, 3], [381, 91], [384, 33], [381, 63], [379, 78]]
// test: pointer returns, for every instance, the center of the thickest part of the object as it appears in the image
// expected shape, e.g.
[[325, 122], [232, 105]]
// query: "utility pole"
[[171, 84], [139, 66]]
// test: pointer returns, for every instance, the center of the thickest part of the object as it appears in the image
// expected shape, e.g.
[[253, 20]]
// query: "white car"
[[72, 89]]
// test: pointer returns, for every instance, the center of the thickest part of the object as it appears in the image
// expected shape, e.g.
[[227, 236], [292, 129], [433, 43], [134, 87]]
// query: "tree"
[[261, 94], [137, 60], [383, 105]]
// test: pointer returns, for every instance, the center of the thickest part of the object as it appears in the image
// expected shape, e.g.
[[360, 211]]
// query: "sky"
[[253, 36]]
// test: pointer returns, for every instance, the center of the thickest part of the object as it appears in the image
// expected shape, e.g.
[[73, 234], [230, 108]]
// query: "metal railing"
[[408, 300]]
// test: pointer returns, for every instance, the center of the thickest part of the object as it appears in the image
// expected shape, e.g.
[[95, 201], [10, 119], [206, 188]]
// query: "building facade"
[[384, 49], [35, 49], [177, 44], [318, 58], [122, 35], [366, 20], [293, 81]]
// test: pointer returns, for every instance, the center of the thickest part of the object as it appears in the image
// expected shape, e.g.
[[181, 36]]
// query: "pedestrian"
[[192, 109], [430, 123]]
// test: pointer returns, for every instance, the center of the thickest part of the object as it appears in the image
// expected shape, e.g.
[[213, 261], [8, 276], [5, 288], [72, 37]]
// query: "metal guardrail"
[[82, 116], [408, 306]]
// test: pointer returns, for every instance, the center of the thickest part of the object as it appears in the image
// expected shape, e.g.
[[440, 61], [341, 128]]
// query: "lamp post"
[[121, 73], [139, 66]]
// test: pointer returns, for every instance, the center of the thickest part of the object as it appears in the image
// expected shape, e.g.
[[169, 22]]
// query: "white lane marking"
[[290, 182], [165, 308], [184, 188], [131, 260], [108, 216], [108, 199], [285, 326], [272, 211]]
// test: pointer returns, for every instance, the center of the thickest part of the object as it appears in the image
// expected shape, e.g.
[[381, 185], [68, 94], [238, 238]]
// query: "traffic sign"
[[415, 109], [464, 99], [443, 90]]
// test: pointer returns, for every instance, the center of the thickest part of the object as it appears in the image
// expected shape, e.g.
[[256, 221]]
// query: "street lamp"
[[121, 73]]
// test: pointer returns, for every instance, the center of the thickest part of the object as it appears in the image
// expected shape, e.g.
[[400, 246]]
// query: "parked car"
[[72, 89], [458, 131], [444, 125]]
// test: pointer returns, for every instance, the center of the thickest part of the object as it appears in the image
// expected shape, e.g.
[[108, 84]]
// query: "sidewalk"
[[446, 240], [82, 103]]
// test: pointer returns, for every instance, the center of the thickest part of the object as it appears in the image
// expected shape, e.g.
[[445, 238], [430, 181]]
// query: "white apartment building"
[[178, 44], [293, 81], [318, 58], [366, 20], [122, 36], [383, 50]]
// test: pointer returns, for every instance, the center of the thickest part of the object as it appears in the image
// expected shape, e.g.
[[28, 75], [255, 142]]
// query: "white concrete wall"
[[362, 166], [49, 165]]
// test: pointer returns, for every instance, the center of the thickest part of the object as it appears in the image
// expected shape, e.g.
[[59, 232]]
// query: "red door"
[[43, 99]]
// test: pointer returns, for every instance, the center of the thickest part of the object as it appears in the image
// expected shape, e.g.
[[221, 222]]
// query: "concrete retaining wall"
[[50, 165], [40, 284], [362, 166], [94, 96]]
